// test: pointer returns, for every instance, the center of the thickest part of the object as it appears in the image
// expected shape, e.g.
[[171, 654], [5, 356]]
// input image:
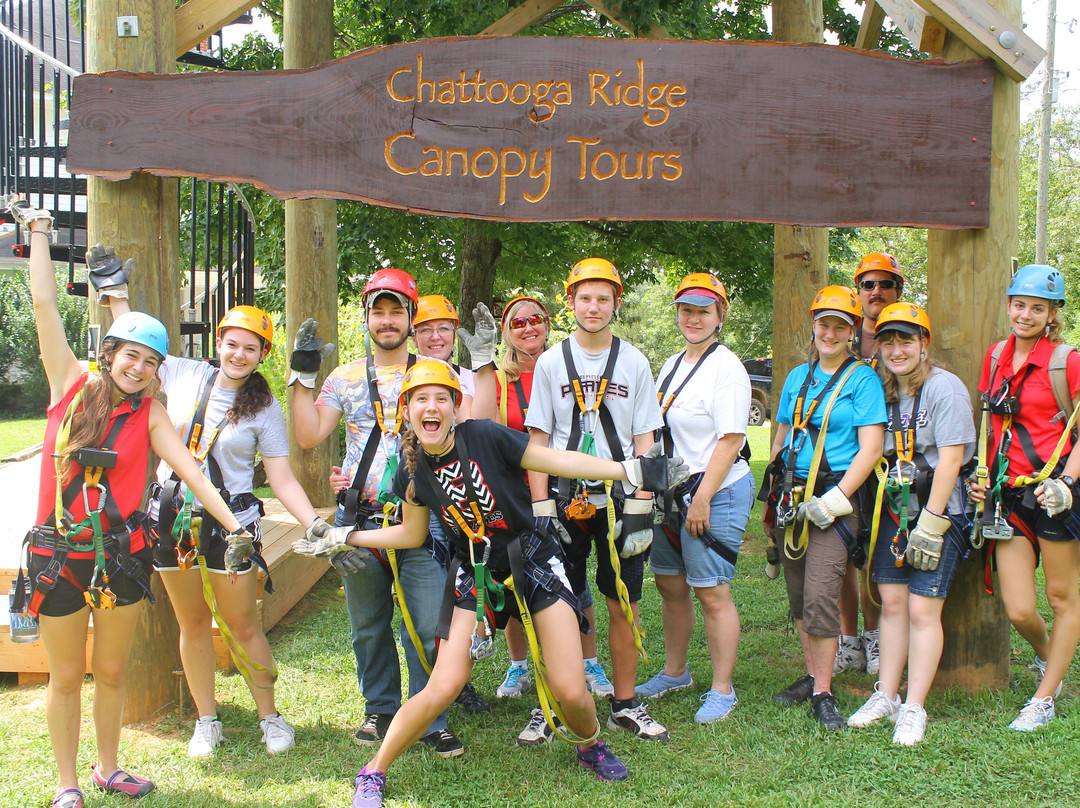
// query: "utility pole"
[[1042, 203]]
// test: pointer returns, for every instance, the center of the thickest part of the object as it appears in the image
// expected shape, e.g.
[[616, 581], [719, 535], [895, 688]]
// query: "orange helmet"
[[521, 299], [434, 307], [394, 281], [250, 319], [700, 282], [594, 269], [839, 301], [882, 262], [431, 371], [907, 318]]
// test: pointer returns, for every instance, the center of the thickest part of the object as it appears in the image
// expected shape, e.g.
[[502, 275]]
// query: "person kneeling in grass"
[[471, 475]]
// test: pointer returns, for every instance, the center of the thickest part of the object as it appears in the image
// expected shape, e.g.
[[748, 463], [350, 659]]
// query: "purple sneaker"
[[369, 789], [602, 761]]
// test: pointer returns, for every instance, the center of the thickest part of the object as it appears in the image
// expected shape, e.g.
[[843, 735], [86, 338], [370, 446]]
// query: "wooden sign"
[[559, 129]]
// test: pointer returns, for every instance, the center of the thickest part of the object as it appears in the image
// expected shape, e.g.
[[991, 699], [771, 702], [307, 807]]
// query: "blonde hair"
[[917, 378], [511, 362]]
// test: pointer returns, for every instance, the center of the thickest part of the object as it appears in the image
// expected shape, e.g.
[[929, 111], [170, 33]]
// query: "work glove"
[[826, 509], [1056, 496], [108, 274], [925, 541], [322, 540], [481, 343], [308, 354], [546, 516], [23, 214], [349, 562], [241, 548], [637, 525], [655, 472]]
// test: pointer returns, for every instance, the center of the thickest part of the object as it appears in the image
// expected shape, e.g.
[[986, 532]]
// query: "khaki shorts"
[[814, 581]]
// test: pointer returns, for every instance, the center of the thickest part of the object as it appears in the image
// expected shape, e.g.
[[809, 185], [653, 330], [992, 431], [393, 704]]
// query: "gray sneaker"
[[662, 683], [537, 731]]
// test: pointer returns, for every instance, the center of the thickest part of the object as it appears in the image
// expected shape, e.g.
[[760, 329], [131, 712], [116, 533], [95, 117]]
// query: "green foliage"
[[24, 390]]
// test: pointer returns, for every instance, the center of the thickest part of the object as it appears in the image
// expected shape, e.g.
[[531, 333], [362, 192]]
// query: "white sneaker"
[[1036, 713], [910, 725], [870, 648], [277, 735], [207, 737], [878, 706], [516, 682], [596, 680], [849, 655], [537, 731]]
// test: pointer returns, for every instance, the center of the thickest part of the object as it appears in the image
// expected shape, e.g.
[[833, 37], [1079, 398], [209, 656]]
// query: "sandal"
[[121, 782], [68, 798]]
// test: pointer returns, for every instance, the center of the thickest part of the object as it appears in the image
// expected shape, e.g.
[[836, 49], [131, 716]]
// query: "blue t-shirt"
[[861, 403]]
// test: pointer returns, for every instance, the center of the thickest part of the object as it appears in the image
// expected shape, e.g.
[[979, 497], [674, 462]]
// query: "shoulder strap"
[[1059, 379], [995, 356]]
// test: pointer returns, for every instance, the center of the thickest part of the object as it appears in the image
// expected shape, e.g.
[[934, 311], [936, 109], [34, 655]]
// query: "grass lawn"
[[763, 755], [17, 434]]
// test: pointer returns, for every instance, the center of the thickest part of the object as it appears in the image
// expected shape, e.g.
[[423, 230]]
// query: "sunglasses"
[[888, 283], [518, 323]]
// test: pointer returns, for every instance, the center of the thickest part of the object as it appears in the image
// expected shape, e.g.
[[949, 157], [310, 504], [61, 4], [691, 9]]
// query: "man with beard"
[[366, 393]]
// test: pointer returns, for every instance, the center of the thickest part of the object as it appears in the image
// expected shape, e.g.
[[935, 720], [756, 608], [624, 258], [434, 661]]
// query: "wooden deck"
[[159, 682]]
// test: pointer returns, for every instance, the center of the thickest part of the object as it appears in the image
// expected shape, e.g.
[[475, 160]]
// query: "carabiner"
[[103, 495]]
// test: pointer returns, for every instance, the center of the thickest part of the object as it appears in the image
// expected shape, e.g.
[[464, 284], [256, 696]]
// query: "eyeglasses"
[[444, 331], [888, 283], [518, 323]]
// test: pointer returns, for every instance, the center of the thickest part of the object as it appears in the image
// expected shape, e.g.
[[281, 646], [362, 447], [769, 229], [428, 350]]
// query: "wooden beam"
[[873, 20], [918, 27], [655, 31], [197, 19], [520, 17], [987, 32]]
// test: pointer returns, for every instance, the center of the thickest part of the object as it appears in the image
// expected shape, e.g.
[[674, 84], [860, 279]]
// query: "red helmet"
[[395, 281]]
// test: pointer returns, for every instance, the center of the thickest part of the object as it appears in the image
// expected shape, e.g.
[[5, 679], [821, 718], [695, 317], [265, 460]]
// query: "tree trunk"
[[480, 251]]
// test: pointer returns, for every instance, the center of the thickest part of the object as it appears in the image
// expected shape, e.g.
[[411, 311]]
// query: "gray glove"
[[108, 274], [349, 562], [320, 539], [546, 516], [826, 509], [308, 354], [481, 344], [654, 472], [241, 548], [925, 541], [637, 521], [23, 214], [1056, 497]]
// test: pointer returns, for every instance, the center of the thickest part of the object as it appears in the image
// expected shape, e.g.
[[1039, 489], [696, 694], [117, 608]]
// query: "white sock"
[[591, 661], [519, 663]]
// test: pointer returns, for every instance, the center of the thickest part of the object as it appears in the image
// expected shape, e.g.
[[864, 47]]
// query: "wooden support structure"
[[988, 32], [918, 27], [311, 253], [198, 19], [967, 274]]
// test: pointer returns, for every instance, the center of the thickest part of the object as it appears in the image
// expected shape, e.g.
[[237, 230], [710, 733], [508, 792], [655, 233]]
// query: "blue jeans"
[[370, 605]]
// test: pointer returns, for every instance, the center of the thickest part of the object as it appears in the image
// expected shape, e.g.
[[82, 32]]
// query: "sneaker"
[[910, 725], [471, 701], [716, 706], [823, 708], [602, 762], [120, 782], [872, 651], [662, 683], [1039, 666], [444, 743], [206, 738], [373, 729], [596, 680], [637, 720], [369, 789], [878, 706], [537, 731], [277, 734], [516, 682], [1036, 713], [849, 655], [68, 798], [796, 693]]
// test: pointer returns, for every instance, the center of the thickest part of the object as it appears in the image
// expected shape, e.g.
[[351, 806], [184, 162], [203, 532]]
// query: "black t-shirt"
[[495, 462]]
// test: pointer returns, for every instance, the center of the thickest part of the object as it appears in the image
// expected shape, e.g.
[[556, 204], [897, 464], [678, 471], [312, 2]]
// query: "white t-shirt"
[[714, 403]]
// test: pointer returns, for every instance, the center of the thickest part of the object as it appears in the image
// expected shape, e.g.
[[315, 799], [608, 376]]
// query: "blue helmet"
[[134, 326], [1038, 280]]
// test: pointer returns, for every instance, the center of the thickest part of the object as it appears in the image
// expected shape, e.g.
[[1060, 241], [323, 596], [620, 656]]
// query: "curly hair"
[[254, 396]]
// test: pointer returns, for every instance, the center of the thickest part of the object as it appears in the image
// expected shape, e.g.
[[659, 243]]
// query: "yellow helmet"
[[594, 269], [700, 282], [434, 307], [431, 371], [251, 319], [882, 262], [907, 318], [837, 300]]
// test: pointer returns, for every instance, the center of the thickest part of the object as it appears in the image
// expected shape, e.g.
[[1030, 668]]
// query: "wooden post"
[[141, 219], [967, 274], [800, 254], [311, 276]]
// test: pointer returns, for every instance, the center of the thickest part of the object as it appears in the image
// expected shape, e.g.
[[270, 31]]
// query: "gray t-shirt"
[[235, 447], [944, 419]]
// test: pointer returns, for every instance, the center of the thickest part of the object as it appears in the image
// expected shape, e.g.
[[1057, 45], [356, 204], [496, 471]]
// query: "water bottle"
[[23, 627]]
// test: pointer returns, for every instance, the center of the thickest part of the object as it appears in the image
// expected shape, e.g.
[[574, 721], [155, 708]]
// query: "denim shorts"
[[729, 514], [933, 584]]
